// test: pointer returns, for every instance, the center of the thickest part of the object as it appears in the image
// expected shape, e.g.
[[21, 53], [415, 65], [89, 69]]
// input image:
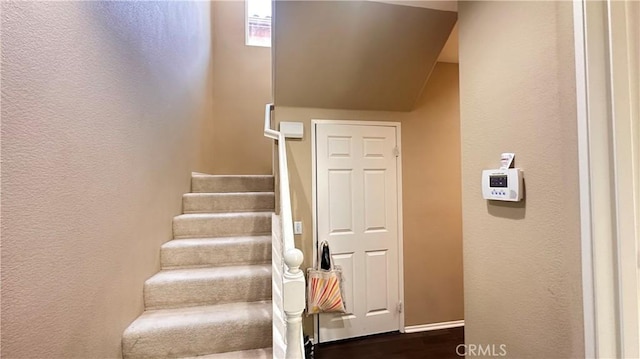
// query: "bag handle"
[[324, 244]]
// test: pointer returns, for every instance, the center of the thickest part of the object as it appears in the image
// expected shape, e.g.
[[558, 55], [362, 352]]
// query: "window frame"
[[247, 38]]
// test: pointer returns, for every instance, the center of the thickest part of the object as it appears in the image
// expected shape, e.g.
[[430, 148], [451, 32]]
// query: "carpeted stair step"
[[201, 183], [208, 286], [228, 202], [197, 225], [264, 353], [224, 251], [196, 331]]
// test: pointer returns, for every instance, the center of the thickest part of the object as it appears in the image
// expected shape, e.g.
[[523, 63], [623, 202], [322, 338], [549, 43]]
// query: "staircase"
[[212, 298]]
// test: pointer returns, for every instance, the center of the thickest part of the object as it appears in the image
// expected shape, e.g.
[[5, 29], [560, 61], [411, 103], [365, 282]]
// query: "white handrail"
[[293, 283], [268, 132]]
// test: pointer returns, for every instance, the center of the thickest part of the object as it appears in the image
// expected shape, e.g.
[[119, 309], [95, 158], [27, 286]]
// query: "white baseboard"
[[433, 326]]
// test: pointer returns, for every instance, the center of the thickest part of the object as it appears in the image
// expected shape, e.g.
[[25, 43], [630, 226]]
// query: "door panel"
[[376, 270], [357, 209], [340, 201], [375, 218]]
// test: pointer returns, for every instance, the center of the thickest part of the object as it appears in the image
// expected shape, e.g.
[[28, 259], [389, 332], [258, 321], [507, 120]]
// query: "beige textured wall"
[[241, 89], [522, 276], [634, 91], [103, 118], [357, 55], [431, 201]]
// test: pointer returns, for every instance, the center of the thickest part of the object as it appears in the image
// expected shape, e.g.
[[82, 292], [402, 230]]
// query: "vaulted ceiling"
[[355, 54]]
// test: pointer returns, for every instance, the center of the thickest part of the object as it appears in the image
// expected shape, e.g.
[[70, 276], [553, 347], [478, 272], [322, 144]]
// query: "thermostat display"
[[503, 184], [498, 181]]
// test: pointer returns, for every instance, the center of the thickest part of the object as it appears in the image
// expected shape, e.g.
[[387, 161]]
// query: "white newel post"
[[294, 302]]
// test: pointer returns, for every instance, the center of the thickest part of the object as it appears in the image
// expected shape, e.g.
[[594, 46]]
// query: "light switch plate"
[[297, 227]]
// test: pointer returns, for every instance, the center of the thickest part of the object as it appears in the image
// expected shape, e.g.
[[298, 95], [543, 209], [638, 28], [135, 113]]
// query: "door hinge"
[[396, 151], [399, 307]]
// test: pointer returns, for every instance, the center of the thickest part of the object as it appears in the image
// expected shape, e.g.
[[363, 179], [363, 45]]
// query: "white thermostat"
[[504, 183]]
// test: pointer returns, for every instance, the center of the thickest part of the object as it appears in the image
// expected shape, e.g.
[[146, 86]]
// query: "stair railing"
[[288, 279]]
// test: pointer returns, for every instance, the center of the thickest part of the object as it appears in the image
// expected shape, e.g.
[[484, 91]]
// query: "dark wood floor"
[[432, 344]]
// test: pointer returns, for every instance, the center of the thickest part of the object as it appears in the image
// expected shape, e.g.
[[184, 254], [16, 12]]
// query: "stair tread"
[[178, 318], [204, 273], [197, 331], [203, 175], [222, 194], [212, 241], [222, 215], [262, 353]]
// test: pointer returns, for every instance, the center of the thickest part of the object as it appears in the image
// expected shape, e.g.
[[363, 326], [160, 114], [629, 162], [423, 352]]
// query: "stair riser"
[[224, 226], [213, 184], [222, 254], [245, 333], [218, 203], [207, 292]]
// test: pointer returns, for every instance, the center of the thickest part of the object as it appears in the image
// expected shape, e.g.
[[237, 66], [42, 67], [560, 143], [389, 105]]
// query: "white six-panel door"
[[357, 213]]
